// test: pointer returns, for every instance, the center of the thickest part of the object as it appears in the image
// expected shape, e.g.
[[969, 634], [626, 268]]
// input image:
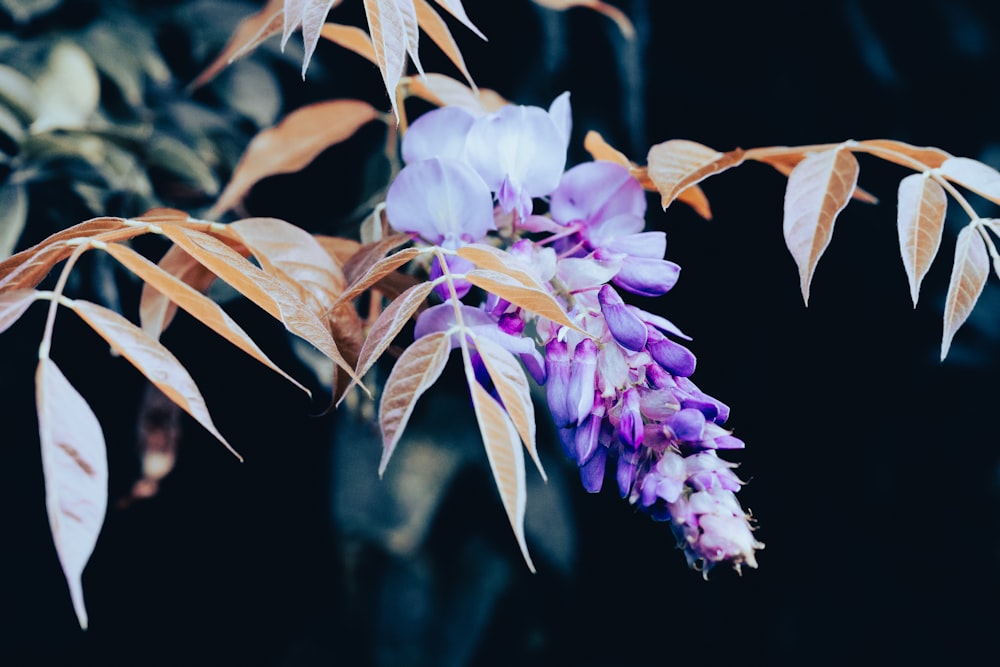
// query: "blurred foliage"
[[95, 117]]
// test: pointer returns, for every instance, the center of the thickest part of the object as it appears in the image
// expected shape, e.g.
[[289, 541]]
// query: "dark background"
[[873, 468]]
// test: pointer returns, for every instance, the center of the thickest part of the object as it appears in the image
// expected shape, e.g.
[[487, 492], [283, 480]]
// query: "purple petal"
[[437, 133], [687, 425], [631, 430], [648, 245], [647, 277], [587, 439], [562, 117], [520, 146], [625, 326], [625, 473], [672, 356], [557, 368], [441, 200], [594, 191], [592, 472], [582, 380], [728, 442], [661, 323]]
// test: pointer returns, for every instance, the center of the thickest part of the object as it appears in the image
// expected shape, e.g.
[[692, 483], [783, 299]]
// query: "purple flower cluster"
[[619, 393]]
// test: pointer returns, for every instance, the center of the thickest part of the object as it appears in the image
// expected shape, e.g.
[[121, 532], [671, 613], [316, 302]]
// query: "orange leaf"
[[695, 197], [512, 386], [377, 271], [153, 360], [293, 255], [503, 450], [904, 154], [193, 301], [249, 34], [75, 465], [339, 248], [612, 12], [818, 189], [368, 255], [156, 310], [445, 91], [600, 149], [530, 298], [968, 277], [293, 144], [677, 164], [13, 304], [438, 31], [418, 367], [389, 324], [922, 205], [266, 291], [351, 38], [974, 175], [28, 267]]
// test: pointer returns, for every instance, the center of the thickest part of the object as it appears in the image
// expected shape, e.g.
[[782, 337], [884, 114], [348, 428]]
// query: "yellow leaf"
[[818, 189], [968, 277], [922, 205], [503, 450], [153, 360], [268, 292], [678, 164], [532, 299], [515, 392], [418, 367], [194, 302]]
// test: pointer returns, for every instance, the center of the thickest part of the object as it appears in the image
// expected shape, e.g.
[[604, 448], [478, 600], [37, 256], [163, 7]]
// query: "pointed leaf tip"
[[921, 211], [968, 277]]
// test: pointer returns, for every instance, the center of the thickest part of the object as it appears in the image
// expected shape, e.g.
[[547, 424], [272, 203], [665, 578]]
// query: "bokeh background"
[[873, 468]]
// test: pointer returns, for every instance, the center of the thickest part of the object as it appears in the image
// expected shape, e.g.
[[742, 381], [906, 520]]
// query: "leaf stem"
[[82, 245]]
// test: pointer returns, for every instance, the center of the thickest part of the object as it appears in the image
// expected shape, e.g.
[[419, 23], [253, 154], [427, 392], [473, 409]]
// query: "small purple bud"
[[535, 365], [625, 326], [659, 378], [625, 473], [687, 425], [567, 438], [592, 472], [586, 442], [728, 442], [708, 408], [674, 357], [630, 429], [582, 380], [557, 367]]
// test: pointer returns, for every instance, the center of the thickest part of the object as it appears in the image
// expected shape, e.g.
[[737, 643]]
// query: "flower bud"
[[672, 356], [625, 326]]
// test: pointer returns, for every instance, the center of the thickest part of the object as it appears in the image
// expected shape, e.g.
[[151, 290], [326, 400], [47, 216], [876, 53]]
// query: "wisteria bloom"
[[618, 387]]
